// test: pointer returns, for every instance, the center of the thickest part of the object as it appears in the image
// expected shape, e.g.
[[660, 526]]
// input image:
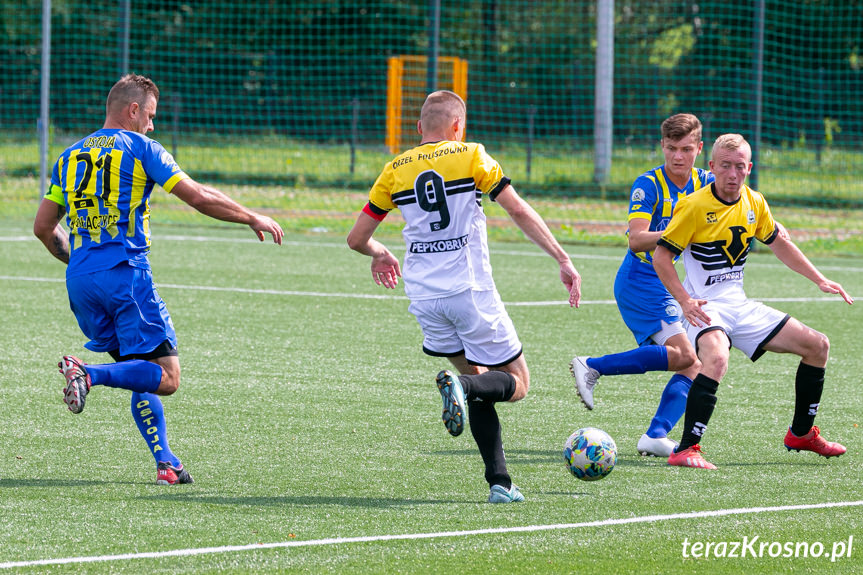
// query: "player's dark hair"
[[679, 126], [131, 88]]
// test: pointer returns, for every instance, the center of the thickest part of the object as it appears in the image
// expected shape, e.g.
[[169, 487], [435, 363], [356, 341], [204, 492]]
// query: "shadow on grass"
[[815, 463], [567, 493], [512, 455], [527, 456], [518, 456], [302, 500], [30, 482]]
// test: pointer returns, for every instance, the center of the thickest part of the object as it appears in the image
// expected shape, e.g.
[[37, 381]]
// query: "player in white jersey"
[[713, 228], [439, 187]]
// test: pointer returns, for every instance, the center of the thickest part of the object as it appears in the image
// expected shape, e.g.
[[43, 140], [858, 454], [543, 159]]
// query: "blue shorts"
[[643, 301], [120, 309]]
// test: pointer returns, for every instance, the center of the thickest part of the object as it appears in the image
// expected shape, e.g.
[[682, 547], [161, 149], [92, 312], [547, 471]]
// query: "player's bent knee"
[[681, 359], [170, 382], [522, 385], [821, 347], [168, 386], [690, 359]]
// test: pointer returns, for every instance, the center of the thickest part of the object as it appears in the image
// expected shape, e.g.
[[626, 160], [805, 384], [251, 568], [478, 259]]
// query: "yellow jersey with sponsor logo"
[[438, 188], [714, 237]]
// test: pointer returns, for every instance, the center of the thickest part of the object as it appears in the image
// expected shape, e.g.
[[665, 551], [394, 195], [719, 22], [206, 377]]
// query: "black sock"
[[490, 386], [699, 407], [808, 387], [485, 427]]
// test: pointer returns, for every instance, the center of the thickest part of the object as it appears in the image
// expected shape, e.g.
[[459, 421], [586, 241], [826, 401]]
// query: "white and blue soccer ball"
[[590, 453]]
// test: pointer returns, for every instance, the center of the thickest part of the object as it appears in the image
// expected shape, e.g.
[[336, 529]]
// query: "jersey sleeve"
[[642, 198], [680, 229], [766, 229], [381, 195], [161, 167], [55, 192], [374, 212], [487, 173]]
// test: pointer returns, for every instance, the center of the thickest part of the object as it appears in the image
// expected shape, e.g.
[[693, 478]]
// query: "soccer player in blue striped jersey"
[[646, 307], [102, 185]]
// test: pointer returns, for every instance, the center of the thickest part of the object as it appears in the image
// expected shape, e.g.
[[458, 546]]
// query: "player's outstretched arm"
[[663, 263], [536, 230], [211, 202], [385, 266], [790, 255], [47, 228]]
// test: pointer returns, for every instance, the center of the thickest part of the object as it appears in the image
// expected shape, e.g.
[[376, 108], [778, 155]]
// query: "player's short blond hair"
[[131, 88], [730, 142], [440, 108], [679, 126]]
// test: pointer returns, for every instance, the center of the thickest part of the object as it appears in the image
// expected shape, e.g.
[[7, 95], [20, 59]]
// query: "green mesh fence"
[[296, 92]]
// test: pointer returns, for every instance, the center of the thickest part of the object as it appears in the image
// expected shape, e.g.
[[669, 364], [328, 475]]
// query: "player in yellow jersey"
[[439, 187], [714, 229], [645, 306], [102, 185]]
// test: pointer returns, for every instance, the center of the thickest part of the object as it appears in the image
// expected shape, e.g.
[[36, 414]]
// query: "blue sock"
[[150, 417], [672, 405], [136, 375], [638, 360]]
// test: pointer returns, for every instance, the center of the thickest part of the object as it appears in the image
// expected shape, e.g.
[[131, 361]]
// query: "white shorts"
[[668, 330], [748, 324], [471, 322]]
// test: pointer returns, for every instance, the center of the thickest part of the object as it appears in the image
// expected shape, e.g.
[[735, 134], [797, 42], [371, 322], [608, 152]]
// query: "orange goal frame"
[[406, 91]]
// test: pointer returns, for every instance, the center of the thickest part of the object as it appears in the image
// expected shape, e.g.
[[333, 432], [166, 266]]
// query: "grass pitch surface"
[[309, 418]]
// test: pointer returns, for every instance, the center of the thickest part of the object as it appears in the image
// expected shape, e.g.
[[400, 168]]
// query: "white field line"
[[397, 246], [436, 535], [826, 299]]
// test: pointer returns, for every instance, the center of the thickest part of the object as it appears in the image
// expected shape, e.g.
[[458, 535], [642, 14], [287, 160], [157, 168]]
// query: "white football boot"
[[655, 446], [585, 379]]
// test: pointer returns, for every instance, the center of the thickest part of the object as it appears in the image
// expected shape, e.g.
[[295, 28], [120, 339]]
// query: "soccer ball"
[[590, 453]]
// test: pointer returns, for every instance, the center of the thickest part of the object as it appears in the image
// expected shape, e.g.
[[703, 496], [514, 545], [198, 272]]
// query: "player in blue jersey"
[[645, 305], [102, 185]]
